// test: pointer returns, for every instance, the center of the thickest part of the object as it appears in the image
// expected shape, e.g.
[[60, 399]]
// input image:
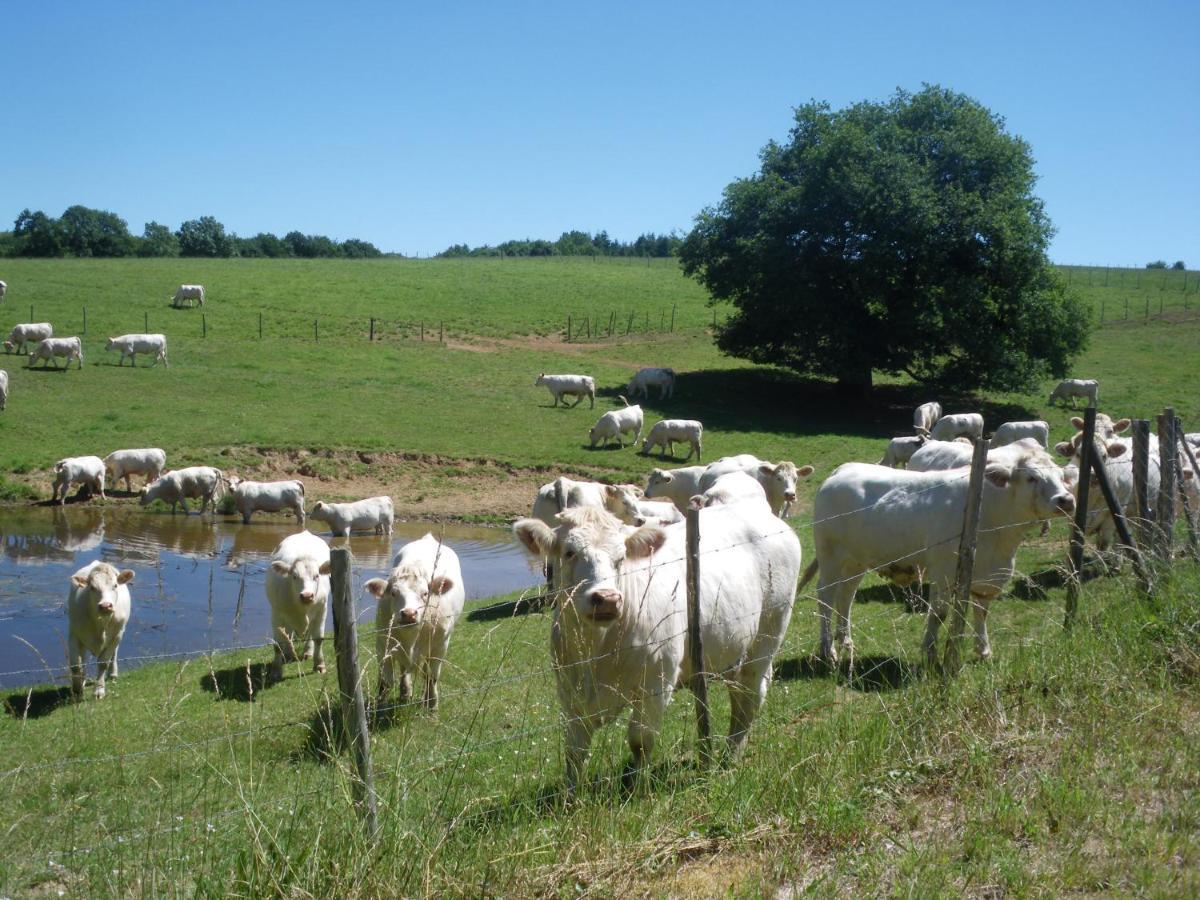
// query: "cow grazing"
[[1014, 431], [250, 497], [926, 416], [50, 349], [777, 479], [27, 333], [577, 386], [146, 461], [732, 487], [1070, 388], [297, 587], [97, 613], [185, 294], [947, 428], [619, 499], [373, 514], [900, 450], [873, 518], [677, 485], [618, 638], [83, 470], [663, 379], [177, 487], [132, 344], [667, 432], [616, 422], [3, 389], [419, 602]]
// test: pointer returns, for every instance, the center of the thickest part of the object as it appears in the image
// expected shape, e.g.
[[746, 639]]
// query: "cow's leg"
[[645, 722], [284, 652], [433, 670], [128, 484], [316, 636], [746, 696], [75, 663], [578, 400], [103, 667], [385, 647], [298, 510], [405, 683], [933, 621], [112, 665], [979, 609], [578, 743]]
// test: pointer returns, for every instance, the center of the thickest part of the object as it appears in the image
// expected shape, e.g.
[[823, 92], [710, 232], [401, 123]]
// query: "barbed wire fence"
[[455, 762]]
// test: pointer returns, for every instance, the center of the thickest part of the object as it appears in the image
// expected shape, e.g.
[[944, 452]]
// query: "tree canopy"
[[896, 237]]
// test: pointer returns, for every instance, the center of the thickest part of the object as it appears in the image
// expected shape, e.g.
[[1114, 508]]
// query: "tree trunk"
[[856, 383]]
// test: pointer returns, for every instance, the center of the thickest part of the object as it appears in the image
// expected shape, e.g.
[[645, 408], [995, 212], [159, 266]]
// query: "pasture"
[[1065, 765]]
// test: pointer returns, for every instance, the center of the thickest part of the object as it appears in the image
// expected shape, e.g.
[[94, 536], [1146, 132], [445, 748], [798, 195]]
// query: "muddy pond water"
[[199, 580]]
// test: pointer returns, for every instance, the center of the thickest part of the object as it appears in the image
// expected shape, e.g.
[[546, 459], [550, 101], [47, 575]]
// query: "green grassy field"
[[1067, 765]]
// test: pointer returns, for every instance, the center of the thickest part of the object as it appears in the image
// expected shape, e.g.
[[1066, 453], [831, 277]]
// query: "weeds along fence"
[[268, 767]]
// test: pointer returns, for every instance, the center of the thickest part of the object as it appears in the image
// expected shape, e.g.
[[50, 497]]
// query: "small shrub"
[[1179, 266], [1157, 264]]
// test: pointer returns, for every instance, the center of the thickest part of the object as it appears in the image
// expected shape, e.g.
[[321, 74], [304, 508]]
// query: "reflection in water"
[[199, 580]]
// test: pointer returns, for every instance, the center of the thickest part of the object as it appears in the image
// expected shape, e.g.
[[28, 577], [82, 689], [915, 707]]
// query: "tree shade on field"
[[899, 237]]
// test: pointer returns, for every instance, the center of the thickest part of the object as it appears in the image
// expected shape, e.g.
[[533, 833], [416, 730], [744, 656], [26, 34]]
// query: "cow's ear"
[[79, 580], [326, 567], [441, 584], [998, 474], [1121, 424], [125, 577], [1077, 422], [281, 568], [804, 471], [535, 535], [612, 491], [1065, 449], [376, 586], [697, 502], [663, 474], [644, 541], [766, 469], [1115, 449]]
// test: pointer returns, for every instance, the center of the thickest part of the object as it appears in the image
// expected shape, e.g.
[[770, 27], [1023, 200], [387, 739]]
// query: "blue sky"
[[416, 126]]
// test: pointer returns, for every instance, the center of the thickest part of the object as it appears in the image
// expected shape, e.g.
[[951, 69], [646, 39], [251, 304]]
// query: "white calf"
[[949, 427], [250, 497], [52, 348], [677, 485], [27, 333], [613, 424], [665, 433], [619, 499], [1070, 388], [186, 293], [778, 480], [97, 613], [84, 470], [663, 379], [419, 602], [926, 416], [732, 487], [577, 386], [900, 450], [132, 344], [298, 590], [147, 461], [373, 514]]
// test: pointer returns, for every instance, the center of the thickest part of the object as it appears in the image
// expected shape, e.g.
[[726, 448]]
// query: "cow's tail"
[[621, 397], [301, 483], [808, 576]]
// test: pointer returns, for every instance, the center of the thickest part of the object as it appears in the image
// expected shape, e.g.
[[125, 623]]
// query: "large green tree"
[[204, 237], [94, 232], [896, 237]]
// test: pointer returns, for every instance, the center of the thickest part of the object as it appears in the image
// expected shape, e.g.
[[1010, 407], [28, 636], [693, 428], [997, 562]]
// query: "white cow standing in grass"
[[419, 603], [98, 610], [82, 470], [777, 479], [297, 588], [1070, 388], [663, 379], [3, 389], [146, 461], [27, 333], [677, 485], [615, 423], [901, 449], [618, 638], [250, 497], [372, 514], [3, 289], [51, 349], [132, 344], [1015, 431], [186, 293], [577, 386], [667, 432]]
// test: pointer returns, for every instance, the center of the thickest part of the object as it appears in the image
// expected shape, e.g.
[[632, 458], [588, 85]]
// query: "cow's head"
[[588, 551], [779, 481], [110, 344], [657, 485], [101, 585], [9, 346], [1035, 483], [541, 379], [622, 501], [305, 576], [409, 588]]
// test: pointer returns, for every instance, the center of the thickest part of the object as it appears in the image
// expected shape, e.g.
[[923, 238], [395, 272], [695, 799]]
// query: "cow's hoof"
[[319, 668]]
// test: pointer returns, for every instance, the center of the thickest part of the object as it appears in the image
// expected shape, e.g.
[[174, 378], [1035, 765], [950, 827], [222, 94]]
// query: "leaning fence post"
[[1141, 470], [146, 322], [568, 328], [85, 320], [1188, 512], [672, 317], [441, 332], [316, 333], [1081, 512], [1167, 464], [372, 328], [260, 326], [1114, 508], [203, 325], [699, 683], [966, 557], [354, 708]]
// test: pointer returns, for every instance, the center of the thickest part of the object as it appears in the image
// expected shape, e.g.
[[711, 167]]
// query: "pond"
[[199, 580]]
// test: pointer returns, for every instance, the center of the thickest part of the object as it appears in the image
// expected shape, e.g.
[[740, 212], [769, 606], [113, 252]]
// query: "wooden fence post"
[[699, 683], [372, 328], [31, 314], [672, 317], [354, 709], [1114, 508], [316, 333], [85, 320], [422, 331], [966, 558], [568, 328], [441, 332], [1168, 456], [260, 326], [1191, 514], [146, 322], [587, 325], [1081, 511], [204, 325], [629, 324], [1141, 470], [612, 320]]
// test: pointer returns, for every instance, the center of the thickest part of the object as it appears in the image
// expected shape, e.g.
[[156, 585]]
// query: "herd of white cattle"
[[615, 561]]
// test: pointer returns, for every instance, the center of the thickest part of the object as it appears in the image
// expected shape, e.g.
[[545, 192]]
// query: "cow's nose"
[[408, 617], [789, 496], [1066, 504], [106, 606], [306, 596]]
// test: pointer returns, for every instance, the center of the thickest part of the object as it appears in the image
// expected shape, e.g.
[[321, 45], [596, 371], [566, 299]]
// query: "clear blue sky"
[[416, 126]]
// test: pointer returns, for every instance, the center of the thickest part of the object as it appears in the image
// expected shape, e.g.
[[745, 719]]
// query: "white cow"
[[97, 612], [186, 293], [926, 416], [3, 389], [1117, 456], [654, 512], [908, 523], [577, 386], [665, 433], [663, 379], [250, 497], [1193, 438], [3, 289], [1106, 428], [949, 427], [177, 487], [901, 449], [619, 630], [1070, 388], [146, 461], [83, 470], [132, 344], [732, 487], [619, 499], [677, 485], [616, 422], [373, 514], [419, 602], [940, 455], [1014, 431], [27, 333], [777, 479], [297, 587], [52, 348]]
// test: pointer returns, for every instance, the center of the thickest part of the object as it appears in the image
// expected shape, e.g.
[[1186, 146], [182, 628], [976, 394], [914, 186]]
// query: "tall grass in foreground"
[[1066, 765]]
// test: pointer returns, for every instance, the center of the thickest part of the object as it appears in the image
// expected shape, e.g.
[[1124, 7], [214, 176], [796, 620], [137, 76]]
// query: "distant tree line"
[[81, 231], [576, 243], [1162, 264]]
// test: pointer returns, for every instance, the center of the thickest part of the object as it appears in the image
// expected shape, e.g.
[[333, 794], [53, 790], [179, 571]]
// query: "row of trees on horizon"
[[576, 243]]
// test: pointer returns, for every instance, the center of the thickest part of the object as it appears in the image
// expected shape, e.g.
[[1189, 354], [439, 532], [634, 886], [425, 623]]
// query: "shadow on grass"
[[871, 674], [82, 495], [36, 702], [522, 606], [241, 683], [45, 369]]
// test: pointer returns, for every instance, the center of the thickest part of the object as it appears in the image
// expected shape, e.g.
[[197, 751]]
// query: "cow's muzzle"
[[307, 596], [1064, 504], [790, 496], [408, 617], [603, 605], [105, 607]]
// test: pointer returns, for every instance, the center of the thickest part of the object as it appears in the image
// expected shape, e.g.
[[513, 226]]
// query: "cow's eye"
[[568, 554]]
